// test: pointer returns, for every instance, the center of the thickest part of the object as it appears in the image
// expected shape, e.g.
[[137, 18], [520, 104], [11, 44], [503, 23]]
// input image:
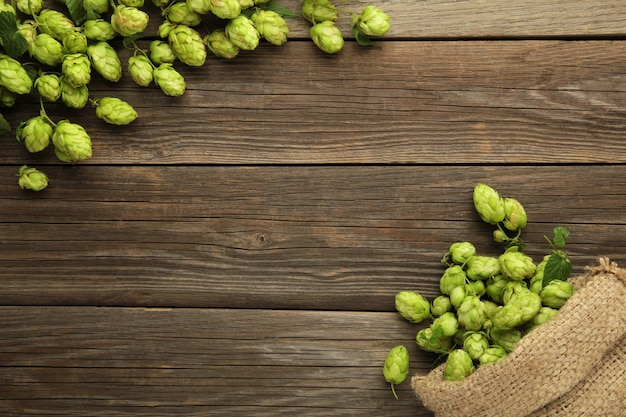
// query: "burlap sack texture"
[[572, 366]]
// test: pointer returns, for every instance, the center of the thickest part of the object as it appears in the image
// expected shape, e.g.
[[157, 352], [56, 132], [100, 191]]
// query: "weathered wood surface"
[[271, 214]]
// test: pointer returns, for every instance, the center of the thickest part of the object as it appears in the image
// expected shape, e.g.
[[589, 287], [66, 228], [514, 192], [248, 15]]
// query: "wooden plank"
[[211, 362], [279, 237], [407, 102]]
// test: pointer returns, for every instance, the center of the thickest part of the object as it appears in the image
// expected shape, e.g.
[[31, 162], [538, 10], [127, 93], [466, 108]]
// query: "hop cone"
[[35, 133], [105, 61], [512, 290], [426, 339], [74, 43], [492, 354], [482, 267], [181, 13], [133, 3], [271, 26], [495, 286], [396, 367], [242, 33], [165, 29], [28, 29], [440, 305], [514, 214], [46, 50], [517, 312], [412, 306], [31, 179], [161, 52], [199, 6], [471, 313], [516, 265], [220, 45], [458, 365], [13, 76], [245, 4], [30, 7], [187, 45], [170, 81], [460, 252], [454, 276], [74, 97], [448, 324], [556, 293], [543, 316], [316, 11], [115, 111], [225, 9], [475, 344], [98, 6], [49, 86], [71, 142], [488, 204], [7, 98], [128, 21], [54, 23], [76, 69], [372, 21], [506, 339], [327, 37], [99, 30], [140, 70], [536, 282]]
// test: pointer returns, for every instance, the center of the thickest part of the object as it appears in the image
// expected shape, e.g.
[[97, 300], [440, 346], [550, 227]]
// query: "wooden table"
[[236, 251]]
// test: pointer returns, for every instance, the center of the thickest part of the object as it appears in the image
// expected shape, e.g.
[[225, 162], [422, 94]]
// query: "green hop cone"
[[7, 98], [49, 86], [327, 37], [512, 290], [492, 354], [440, 305], [31, 179], [396, 367], [161, 3], [506, 339], [316, 11], [488, 204], [218, 43], [13, 76], [543, 316], [517, 312], [170, 81], [74, 43], [99, 30], [447, 323], [71, 142], [29, 7], [164, 29], [35, 133], [514, 214], [74, 97], [475, 344], [115, 111], [372, 21], [482, 267], [54, 23], [5, 7], [430, 341], [490, 308], [28, 29], [245, 4], [225, 9], [495, 286], [46, 50], [140, 69], [556, 293], [454, 276], [516, 265], [460, 253], [475, 287], [133, 3], [105, 61], [412, 306], [457, 295], [471, 313], [271, 26], [499, 236], [161, 52], [199, 6], [98, 6], [187, 45], [128, 21], [458, 366], [180, 13], [242, 33], [76, 69], [536, 282]]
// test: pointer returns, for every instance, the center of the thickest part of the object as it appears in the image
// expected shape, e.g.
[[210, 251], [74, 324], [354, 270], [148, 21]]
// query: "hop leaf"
[[11, 40]]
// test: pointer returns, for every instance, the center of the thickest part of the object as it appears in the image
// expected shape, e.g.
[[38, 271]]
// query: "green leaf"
[[361, 39], [77, 11], [560, 234], [557, 267], [5, 127], [11, 40]]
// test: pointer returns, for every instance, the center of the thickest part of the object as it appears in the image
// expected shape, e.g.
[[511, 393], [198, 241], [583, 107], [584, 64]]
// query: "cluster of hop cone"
[[55, 53]]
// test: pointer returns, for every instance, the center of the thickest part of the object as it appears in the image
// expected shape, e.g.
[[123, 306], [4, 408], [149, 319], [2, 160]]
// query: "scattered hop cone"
[[54, 23], [471, 313], [492, 354], [448, 324], [49, 86], [98, 6], [556, 293], [514, 214], [372, 22], [71, 142], [516, 265], [128, 21], [458, 365], [76, 69], [161, 52], [46, 50], [140, 69], [242, 33], [506, 339], [457, 295], [440, 305], [74, 43], [105, 61], [218, 43], [115, 111], [7, 98], [187, 45], [35, 133], [327, 37], [475, 344], [180, 13], [165, 29], [31, 179], [412, 306], [316, 11], [74, 97], [454, 276], [396, 367], [482, 267], [170, 81], [99, 30], [29, 7], [13, 76], [461, 252], [225, 9], [488, 204], [517, 312], [271, 26], [199, 6], [428, 341]]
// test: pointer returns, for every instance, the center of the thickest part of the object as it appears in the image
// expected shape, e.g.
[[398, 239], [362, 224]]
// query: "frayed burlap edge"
[[546, 364]]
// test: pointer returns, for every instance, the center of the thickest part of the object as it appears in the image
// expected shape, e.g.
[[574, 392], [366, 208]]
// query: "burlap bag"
[[573, 365]]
